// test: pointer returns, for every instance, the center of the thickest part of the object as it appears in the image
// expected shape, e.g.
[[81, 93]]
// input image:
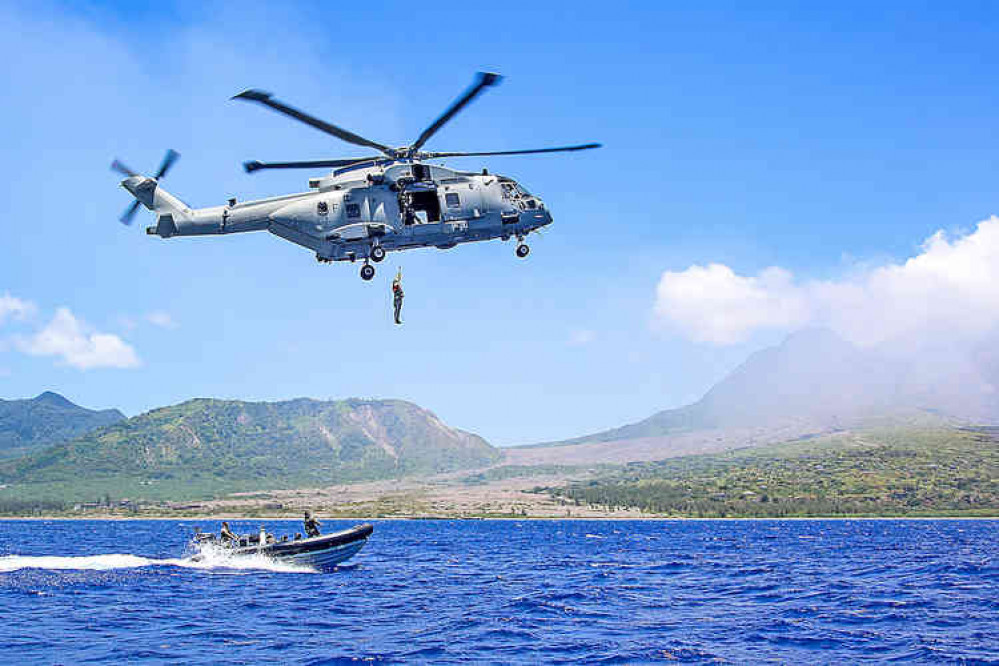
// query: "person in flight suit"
[[397, 296]]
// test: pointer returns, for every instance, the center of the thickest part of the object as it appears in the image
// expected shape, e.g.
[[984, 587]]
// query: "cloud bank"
[[951, 288]]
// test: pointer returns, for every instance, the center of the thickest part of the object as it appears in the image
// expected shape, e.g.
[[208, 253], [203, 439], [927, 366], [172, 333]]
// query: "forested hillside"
[[889, 472], [205, 447]]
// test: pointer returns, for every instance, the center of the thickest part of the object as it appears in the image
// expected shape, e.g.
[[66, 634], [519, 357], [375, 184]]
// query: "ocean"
[[508, 591]]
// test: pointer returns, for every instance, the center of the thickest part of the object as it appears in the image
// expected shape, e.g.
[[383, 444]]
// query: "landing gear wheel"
[[367, 272], [377, 253], [523, 250]]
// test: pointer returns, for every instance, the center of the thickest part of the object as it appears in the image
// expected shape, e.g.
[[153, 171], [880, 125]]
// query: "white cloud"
[[713, 304], [15, 308], [581, 337], [950, 288], [78, 345], [161, 319]]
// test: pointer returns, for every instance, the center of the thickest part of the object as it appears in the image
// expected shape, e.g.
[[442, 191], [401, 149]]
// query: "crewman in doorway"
[[397, 296]]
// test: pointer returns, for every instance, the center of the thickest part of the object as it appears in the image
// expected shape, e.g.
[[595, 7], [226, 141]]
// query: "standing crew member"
[[397, 296], [311, 525], [226, 533]]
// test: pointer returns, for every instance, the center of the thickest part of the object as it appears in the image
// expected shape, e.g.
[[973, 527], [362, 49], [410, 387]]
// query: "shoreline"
[[221, 517]]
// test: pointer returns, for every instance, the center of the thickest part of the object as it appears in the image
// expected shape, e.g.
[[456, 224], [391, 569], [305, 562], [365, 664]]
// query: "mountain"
[[203, 447], [813, 377], [32, 424], [814, 382]]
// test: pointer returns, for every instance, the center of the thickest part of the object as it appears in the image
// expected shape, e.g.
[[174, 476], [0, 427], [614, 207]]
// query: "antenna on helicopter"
[[482, 81], [168, 160]]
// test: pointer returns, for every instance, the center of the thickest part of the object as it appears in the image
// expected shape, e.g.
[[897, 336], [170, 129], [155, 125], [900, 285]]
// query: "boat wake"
[[208, 559]]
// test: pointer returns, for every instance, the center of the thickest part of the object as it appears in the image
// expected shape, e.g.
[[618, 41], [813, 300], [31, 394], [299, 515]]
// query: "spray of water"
[[208, 559]]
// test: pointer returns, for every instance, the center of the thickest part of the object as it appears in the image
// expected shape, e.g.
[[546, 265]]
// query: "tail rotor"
[[141, 188]]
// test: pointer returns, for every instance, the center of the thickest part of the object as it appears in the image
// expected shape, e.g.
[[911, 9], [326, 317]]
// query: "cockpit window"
[[453, 200], [514, 190]]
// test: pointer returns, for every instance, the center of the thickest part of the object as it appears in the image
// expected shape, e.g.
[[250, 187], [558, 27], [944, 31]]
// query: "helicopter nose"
[[542, 217]]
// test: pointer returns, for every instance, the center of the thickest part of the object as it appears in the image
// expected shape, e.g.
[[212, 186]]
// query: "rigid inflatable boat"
[[322, 552]]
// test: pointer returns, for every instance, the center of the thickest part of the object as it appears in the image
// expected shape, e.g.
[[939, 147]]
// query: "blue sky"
[[828, 142]]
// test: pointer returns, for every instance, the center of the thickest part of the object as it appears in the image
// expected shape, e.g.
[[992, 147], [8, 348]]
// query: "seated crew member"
[[312, 525], [227, 534]]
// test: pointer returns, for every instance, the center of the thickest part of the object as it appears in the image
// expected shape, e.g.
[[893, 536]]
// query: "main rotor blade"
[[562, 149], [122, 169], [483, 80], [267, 99], [168, 160], [254, 165], [126, 217]]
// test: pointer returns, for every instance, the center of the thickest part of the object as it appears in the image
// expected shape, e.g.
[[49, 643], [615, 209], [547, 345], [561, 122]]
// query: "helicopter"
[[366, 206]]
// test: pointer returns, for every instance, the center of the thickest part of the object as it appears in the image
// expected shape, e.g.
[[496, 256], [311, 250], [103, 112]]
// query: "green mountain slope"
[[887, 472], [205, 447], [35, 423]]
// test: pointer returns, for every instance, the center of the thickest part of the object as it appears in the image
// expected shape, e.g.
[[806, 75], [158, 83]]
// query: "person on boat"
[[227, 534], [312, 525], [397, 296]]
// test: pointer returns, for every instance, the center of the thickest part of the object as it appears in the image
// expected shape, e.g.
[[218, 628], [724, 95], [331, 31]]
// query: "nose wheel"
[[367, 272], [523, 250]]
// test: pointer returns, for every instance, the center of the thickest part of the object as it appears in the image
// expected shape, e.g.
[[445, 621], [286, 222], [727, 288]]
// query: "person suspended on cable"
[[397, 296]]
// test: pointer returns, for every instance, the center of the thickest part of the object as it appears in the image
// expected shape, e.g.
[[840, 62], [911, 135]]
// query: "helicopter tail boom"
[[169, 209]]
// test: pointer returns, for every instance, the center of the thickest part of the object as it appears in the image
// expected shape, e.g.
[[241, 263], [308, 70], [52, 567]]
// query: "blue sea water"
[[589, 592]]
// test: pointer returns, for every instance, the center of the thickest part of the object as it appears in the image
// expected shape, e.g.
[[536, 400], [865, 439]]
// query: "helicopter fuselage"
[[366, 210]]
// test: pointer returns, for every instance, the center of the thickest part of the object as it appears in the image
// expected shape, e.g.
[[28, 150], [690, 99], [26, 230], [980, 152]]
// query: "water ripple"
[[569, 592]]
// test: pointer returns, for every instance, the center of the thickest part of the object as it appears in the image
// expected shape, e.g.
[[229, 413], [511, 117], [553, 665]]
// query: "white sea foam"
[[90, 562], [213, 557], [208, 559]]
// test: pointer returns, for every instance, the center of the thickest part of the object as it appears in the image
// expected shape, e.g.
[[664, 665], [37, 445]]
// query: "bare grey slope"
[[814, 382]]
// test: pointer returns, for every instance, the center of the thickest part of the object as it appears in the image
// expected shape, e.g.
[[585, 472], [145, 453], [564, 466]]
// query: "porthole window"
[[452, 199], [353, 210]]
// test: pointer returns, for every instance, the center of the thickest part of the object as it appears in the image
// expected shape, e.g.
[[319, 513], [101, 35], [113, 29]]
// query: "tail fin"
[[168, 208]]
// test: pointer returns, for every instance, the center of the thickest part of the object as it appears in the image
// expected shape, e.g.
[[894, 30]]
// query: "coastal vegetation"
[[887, 472]]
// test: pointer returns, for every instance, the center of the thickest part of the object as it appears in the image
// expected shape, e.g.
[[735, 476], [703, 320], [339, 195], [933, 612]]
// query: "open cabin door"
[[420, 204]]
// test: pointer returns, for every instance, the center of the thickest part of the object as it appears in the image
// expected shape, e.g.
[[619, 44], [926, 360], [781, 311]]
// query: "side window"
[[452, 200], [353, 210]]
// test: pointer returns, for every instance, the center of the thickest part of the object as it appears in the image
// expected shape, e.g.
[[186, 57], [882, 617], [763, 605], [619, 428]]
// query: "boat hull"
[[322, 553]]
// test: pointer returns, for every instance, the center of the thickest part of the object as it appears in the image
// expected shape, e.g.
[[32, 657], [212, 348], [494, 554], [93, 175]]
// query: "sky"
[[764, 168]]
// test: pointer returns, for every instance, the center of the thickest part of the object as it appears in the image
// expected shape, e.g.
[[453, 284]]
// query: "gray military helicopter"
[[367, 206]]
